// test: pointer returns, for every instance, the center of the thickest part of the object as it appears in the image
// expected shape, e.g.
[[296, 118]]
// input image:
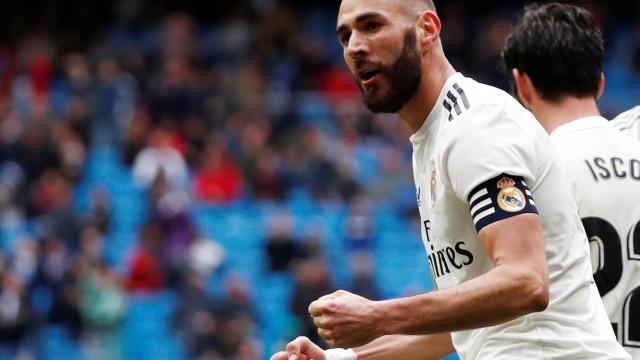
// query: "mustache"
[[362, 62]]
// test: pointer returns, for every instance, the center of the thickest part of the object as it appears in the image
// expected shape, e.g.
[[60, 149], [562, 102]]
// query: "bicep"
[[517, 241]]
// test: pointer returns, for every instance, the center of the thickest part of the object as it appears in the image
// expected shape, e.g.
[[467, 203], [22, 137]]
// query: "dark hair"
[[559, 47]]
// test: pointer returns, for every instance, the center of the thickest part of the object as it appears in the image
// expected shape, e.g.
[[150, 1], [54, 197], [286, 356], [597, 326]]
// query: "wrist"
[[340, 354], [385, 319]]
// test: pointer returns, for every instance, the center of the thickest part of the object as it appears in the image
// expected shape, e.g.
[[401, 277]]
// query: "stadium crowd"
[[253, 105]]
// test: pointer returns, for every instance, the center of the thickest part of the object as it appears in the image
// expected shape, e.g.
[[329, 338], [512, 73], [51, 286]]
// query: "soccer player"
[[506, 247], [602, 164], [629, 122]]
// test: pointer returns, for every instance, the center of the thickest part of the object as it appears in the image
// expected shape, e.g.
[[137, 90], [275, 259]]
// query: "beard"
[[404, 77]]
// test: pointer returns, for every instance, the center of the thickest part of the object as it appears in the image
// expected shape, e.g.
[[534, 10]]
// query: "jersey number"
[[606, 256]]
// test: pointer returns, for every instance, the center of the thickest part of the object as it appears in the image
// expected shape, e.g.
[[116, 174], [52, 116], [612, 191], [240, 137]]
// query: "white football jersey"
[[603, 167], [481, 157], [629, 122]]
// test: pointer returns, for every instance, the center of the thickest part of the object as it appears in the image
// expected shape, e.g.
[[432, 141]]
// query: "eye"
[[373, 26], [344, 39]]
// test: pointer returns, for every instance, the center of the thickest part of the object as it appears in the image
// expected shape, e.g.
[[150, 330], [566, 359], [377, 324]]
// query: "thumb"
[[293, 349]]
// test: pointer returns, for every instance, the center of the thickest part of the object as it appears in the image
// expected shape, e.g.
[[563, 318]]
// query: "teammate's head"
[[559, 48], [384, 42]]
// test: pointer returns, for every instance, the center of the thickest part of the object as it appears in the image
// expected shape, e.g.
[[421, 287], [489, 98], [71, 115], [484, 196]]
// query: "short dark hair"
[[559, 47]]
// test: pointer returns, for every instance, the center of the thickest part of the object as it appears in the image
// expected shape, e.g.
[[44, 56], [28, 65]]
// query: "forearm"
[[407, 347], [500, 295]]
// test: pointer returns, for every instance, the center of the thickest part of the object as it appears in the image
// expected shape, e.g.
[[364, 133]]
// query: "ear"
[[601, 84], [428, 29], [524, 87]]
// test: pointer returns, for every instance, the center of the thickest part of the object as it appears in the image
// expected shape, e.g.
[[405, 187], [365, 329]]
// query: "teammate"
[[602, 164], [629, 122], [505, 245]]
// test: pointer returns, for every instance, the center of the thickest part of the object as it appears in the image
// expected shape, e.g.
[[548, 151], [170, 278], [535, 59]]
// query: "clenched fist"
[[346, 320]]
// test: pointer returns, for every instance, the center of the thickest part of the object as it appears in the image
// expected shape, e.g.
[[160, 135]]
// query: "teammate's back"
[[601, 163], [603, 166]]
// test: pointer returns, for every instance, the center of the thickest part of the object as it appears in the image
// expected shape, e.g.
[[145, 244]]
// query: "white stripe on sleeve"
[[477, 195], [483, 214]]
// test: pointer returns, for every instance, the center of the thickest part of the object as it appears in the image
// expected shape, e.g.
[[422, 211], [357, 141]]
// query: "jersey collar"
[[588, 122], [436, 113]]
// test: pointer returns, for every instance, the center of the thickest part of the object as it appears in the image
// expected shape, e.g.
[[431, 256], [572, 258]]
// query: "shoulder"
[[629, 123], [492, 113], [627, 118]]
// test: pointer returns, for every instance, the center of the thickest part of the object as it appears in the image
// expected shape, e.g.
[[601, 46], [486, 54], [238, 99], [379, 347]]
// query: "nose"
[[357, 45]]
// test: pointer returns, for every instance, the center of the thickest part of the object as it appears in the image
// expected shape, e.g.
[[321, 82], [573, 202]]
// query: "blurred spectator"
[[80, 80], [261, 164], [170, 209], [193, 319], [338, 83], [205, 256], [159, 159], [52, 198], [311, 282], [359, 228], [217, 328], [145, 271], [281, 247], [267, 182], [57, 282], [236, 317], [35, 152], [71, 150], [25, 261], [31, 87], [113, 102], [364, 283], [318, 171], [91, 244], [175, 96], [99, 214], [103, 309], [178, 37], [15, 312], [135, 135], [12, 211], [393, 174], [313, 239], [217, 178]]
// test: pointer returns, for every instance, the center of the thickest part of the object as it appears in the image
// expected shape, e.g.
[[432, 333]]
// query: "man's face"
[[380, 50]]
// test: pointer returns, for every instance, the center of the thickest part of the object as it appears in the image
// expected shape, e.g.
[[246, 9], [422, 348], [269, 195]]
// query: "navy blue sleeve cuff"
[[500, 198]]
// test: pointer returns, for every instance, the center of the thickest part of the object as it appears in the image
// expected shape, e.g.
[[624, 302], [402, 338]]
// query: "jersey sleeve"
[[629, 122], [489, 163]]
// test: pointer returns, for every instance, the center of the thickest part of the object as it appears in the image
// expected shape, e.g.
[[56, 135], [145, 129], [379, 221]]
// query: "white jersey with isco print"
[[629, 122], [603, 167], [480, 158]]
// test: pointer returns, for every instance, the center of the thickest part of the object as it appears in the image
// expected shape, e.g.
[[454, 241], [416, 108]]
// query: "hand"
[[346, 320], [300, 349]]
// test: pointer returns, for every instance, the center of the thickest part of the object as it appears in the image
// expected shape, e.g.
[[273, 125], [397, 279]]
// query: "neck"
[[552, 115], [434, 75]]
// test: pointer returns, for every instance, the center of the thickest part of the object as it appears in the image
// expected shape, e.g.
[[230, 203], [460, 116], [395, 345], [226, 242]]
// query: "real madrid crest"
[[510, 198], [433, 188]]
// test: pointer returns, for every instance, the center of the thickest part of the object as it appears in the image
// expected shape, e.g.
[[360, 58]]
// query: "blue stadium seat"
[[147, 333], [57, 344]]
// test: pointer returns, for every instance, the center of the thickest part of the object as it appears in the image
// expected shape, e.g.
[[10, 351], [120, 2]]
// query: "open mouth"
[[368, 76]]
